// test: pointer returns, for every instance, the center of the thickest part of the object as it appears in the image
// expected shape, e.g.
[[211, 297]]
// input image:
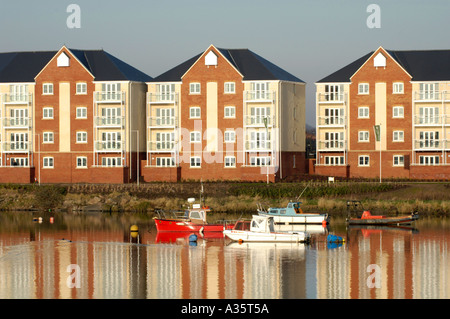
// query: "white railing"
[[162, 121], [17, 122], [17, 147], [262, 96], [105, 121], [431, 95], [162, 98], [331, 97], [332, 145], [258, 145], [17, 98], [109, 97], [331, 120], [431, 144], [155, 146], [252, 120], [106, 146]]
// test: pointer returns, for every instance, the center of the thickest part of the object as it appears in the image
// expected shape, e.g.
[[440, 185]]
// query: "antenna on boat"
[[302, 192]]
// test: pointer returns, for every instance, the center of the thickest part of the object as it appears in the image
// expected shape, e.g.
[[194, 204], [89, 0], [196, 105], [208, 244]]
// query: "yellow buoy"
[[134, 228]]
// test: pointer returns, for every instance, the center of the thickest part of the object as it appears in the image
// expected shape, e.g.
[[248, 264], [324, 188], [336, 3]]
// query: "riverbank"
[[388, 198]]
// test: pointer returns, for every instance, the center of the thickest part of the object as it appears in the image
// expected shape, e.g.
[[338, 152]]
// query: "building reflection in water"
[[34, 265]]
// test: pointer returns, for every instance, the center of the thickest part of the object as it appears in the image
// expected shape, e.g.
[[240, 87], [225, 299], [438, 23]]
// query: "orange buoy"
[[324, 223]]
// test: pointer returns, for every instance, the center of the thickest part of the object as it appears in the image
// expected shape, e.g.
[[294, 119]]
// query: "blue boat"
[[292, 214]]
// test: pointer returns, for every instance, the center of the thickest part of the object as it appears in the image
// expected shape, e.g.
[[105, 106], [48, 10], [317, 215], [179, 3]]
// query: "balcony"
[[155, 146], [431, 145], [17, 98], [258, 146], [162, 122], [335, 146], [259, 121], [431, 96], [105, 122], [16, 147], [106, 146], [437, 120], [332, 121], [259, 96], [158, 98], [331, 98], [17, 122], [109, 97]]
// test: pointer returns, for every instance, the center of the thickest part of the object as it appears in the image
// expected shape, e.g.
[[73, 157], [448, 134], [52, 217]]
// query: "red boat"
[[193, 220], [368, 219]]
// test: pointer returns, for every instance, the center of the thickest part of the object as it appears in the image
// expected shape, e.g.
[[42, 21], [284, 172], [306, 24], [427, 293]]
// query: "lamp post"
[[266, 124], [137, 155], [377, 129]]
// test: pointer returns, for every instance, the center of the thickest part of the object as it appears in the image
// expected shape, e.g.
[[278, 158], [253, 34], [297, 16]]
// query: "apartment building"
[[225, 114], [70, 116], [387, 114]]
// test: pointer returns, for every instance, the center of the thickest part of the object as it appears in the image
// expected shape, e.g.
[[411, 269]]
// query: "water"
[[81, 256]]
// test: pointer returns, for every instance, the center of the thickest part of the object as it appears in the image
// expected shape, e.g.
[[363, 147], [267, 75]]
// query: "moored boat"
[[292, 214], [368, 219], [262, 230]]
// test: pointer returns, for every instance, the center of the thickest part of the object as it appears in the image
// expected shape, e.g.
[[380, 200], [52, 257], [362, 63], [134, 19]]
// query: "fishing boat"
[[292, 214], [192, 220], [368, 219], [261, 229]]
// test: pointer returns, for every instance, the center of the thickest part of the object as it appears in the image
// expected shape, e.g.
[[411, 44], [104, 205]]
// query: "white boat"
[[293, 215], [261, 229]]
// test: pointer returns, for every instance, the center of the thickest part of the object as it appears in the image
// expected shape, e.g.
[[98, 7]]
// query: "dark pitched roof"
[[25, 66], [249, 64], [422, 65]]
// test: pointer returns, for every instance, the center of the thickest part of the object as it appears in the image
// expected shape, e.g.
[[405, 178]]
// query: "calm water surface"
[[95, 256]]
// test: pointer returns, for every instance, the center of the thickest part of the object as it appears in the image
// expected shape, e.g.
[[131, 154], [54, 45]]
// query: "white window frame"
[[398, 161], [398, 136], [47, 89], [229, 88], [363, 136], [81, 162], [48, 138], [363, 112], [81, 88], [48, 162], [195, 112], [398, 88], [195, 161], [334, 160], [22, 161], [110, 161], [398, 112], [365, 160], [81, 112], [165, 162], [46, 113], [195, 88], [195, 137], [363, 88], [260, 160], [230, 137], [81, 137], [229, 112], [230, 161], [429, 160]]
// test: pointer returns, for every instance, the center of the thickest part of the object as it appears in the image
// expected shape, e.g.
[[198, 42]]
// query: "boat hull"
[[383, 221], [250, 236], [300, 219], [174, 225]]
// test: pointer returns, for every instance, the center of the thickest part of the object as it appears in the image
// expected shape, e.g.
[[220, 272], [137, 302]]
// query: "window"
[[334, 92], [363, 160], [47, 88], [397, 88], [19, 141], [18, 93], [48, 138], [230, 88], [81, 137], [260, 91], [81, 88], [111, 161], [196, 161], [334, 160], [194, 112], [399, 136], [165, 161], [334, 116], [48, 162], [334, 140], [429, 91], [81, 162], [429, 160], [260, 114], [363, 88], [230, 112], [194, 88], [363, 112], [165, 141], [230, 137], [398, 112], [230, 161], [429, 139], [19, 161], [399, 160], [111, 141], [165, 92], [81, 112], [47, 113], [363, 136], [429, 115], [260, 161], [196, 137]]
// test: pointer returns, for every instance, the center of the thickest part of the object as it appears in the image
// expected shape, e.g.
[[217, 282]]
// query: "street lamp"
[[137, 155]]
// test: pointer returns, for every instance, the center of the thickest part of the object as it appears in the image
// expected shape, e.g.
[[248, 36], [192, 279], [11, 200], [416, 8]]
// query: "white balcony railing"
[[107, 146], [431, 144], [332, 145], [158, 146], [258, 145], [17, 98], [16, 147], [331, 97], [259, 96], [162, 98], [104, 121], [432, 120], [431, 96], [331, 120], [259, 121], [17, 122], [162, 121], [109, 97]]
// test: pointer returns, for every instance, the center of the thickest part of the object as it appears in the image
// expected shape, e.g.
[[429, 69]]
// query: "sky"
[[308, 38]]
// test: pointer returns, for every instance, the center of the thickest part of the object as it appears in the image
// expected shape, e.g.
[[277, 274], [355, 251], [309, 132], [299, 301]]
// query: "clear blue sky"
[[308, 38]]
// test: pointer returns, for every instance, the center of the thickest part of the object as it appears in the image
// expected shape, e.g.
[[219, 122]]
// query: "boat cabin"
[[292, 209], [262, 224], [197, 214]]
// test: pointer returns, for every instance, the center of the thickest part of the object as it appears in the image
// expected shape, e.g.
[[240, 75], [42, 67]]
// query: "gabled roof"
[[422, 65], [25, 66], [252, 66]]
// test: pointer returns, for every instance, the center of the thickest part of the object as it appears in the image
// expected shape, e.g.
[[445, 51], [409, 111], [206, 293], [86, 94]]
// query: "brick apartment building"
[[70, 116], [225, 114], [407, 95]]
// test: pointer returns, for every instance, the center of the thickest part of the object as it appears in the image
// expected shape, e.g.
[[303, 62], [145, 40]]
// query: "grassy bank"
[[427, 198]]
